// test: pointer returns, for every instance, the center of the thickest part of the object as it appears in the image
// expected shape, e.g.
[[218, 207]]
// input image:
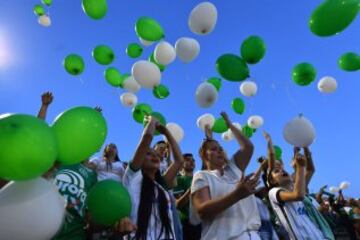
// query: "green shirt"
[[74, 182], [183, 184]]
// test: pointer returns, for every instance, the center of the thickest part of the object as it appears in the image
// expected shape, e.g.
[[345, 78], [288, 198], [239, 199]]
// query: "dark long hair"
[[147, 198], [106, 155]]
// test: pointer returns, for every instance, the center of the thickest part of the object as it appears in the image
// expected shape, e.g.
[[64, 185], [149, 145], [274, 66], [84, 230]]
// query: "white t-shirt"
[[115, 172], [133, 181], [237, 221], [294, 218]]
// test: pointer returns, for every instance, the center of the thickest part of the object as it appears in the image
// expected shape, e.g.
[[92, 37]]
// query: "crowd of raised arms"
[[170, 201]]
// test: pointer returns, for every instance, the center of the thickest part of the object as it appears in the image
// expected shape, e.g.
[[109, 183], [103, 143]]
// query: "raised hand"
[[247, 185], [208, 132], [267, 136], [47, 98], [226, 118], [125, 226], [161, 128], [300, 160]]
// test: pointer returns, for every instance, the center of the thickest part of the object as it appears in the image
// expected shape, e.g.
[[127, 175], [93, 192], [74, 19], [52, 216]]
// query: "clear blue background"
[[36, 53]]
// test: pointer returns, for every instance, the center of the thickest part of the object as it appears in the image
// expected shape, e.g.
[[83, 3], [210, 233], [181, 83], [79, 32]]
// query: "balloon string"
[[81, 81], [290, 97]]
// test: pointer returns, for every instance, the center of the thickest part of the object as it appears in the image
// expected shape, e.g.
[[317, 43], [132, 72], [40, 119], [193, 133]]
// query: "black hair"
[[160, 142], [147, 198], [105, 155], [187, 155]]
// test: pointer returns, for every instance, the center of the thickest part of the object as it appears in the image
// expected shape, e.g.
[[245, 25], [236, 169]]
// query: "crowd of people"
[[171, 201]]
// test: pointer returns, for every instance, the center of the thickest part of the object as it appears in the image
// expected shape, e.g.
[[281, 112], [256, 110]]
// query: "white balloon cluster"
[[31, 210], [164, 53], [248, 88], [44, 20], [206, 95], [146, 73], [327, 84], [176, 131], [202, 19], [255, 121], [299, 132], [128, 99], [205, 119]]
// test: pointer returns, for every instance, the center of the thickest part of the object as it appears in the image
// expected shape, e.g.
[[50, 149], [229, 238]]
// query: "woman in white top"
[[286, 198], [221, 196], [109, 166], [151, 208]]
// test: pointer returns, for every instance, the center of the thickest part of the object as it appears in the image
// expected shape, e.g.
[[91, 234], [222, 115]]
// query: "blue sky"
[[34, 55]]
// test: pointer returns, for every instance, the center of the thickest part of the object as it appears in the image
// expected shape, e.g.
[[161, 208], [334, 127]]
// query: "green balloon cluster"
[[47, 2], [103, 54], [161, 91], [74, 64], [39, 10], [216, 82], [27, 147], [333, 16], [149, 29], [80, 132], [134, 50], [108, 202], [303, 74], [95, 9], [278, 152], [113, 77], [253, 49], [152, 59], [238, 105], [349, 62], [248, 131], [140, 111], [232, 67], [220, 125]]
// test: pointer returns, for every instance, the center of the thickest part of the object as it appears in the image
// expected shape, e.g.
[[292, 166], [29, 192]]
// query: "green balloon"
[[103, 54], [220, 125], [47, 2], [108, 202], [333, 16], [278, 152], [113, 76], [152, 59], [27, 147], [349, 62], [39, 10], [161, 91], [96, 9], [247, 131], [123, 78], [149, 29], [303, 74], [253, 49], [238, 105], [232, 67], [74, 64], [134, 50], [216, 82], [80, 132], [140, 111]]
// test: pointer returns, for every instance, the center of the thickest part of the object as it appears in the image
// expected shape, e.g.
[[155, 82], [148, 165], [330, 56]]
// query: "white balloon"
[[206, 95], [227, 136], [299, 132], [344, 185], [144, 42], [146, 73], [334, 189], [205, 119], [202, 19], [248, 88], [32, 210], [44, 20], [131, 85], [255, 121], [128, 99], [164, 53], [327, 84], [176, 131], [187, 49]]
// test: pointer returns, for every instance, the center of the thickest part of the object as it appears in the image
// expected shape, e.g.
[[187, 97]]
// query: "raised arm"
[[208, 208], [144, 144], [46, 100], [175, 166], [298, 193], [243, 156], [183, 200], [270, 150], [310, 167]]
